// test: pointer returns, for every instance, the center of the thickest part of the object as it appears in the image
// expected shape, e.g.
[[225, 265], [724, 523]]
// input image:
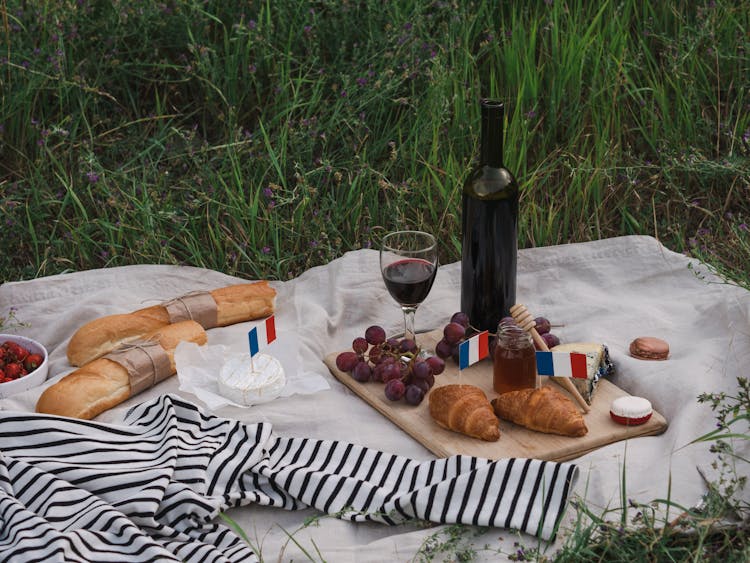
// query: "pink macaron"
[[649, 348]]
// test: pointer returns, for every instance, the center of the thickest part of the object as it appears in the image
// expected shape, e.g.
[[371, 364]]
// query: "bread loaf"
[[464, 409], [234, 304], [543, 409], [103, 383]]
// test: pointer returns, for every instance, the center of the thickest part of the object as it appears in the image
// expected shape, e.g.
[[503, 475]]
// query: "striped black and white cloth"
[[150, 489]]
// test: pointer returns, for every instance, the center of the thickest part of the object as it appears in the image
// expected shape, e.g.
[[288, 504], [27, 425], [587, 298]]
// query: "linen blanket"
[[608, 291]]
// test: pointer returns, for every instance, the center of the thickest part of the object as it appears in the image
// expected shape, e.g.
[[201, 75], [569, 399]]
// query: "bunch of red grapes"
[[459, 329], [395, 362]]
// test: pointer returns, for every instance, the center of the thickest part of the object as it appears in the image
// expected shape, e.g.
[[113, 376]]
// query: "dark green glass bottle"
[[489, 227]]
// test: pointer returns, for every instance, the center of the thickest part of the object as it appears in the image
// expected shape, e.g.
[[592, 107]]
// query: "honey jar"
[[514, 359]]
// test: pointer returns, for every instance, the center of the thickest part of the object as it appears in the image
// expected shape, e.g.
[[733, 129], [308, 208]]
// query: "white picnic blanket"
[[609, 291]]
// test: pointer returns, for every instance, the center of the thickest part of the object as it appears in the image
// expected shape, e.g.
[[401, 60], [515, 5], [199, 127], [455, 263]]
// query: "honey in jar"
[[514, 359]]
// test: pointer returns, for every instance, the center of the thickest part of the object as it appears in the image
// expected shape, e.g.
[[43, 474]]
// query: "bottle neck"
[[492, 134]]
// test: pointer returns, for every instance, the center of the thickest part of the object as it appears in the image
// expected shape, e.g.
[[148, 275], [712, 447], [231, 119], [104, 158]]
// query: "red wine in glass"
[[408, 263], [409, 280]]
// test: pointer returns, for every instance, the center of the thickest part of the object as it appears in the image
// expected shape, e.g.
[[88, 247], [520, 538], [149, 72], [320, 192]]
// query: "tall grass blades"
[[261, 138]]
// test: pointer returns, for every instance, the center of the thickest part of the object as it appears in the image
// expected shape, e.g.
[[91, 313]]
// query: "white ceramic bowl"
[[36, 377]]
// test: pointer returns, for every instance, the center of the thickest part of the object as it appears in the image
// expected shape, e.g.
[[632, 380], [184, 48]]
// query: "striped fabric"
[[148, 490]]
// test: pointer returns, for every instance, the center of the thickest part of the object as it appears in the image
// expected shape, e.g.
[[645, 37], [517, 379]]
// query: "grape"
[[346, 361], [542, 325], [430, 379], [390, 370], [414, 395], [461, 318], [359, 345], [375, 335], [422, 384], [437, 364], [508, 320], [395, 389], [455, 353], [407, 345], [551, 339], [421, 370], [362, 372], [393, 343], [377, 372], [376, 355], [443, 349], [453, 333]]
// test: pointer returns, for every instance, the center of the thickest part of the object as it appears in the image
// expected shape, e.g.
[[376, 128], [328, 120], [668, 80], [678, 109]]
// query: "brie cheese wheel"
[[249, 381]]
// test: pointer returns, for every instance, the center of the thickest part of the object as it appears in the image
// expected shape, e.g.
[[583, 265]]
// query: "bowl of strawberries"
[[23, 364]]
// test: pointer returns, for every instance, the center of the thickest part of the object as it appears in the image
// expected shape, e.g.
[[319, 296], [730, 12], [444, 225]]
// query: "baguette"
[[544, 410], [234, 304], [104, 383], [464, 409]]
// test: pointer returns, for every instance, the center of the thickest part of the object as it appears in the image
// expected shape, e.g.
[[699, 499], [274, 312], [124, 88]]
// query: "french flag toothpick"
[[562, 364], [261, 335], [472, 350]]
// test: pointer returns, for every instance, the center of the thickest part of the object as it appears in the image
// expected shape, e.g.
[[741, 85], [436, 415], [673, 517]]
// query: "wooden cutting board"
[[515, 441]]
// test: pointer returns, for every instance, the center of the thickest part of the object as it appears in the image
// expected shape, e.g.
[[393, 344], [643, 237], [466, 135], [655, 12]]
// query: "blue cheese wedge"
[[598, 365], [249, 381]]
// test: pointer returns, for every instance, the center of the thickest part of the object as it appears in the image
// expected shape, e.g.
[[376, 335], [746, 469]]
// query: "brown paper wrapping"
[[147, 363], [199, 306]]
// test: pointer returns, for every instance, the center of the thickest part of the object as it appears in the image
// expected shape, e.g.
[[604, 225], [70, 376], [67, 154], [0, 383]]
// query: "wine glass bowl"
[[408, 263]]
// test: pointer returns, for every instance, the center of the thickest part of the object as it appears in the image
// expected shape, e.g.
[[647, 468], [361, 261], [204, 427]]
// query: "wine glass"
[[408, 262]]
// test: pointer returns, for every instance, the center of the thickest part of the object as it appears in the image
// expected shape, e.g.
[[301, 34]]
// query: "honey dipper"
[[521, 315]]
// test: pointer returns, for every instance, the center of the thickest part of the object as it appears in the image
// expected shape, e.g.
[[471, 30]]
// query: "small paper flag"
[[474, 349], [261, 335], [562, 364]]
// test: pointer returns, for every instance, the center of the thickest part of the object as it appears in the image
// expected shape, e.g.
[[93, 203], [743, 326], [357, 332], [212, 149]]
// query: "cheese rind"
[[248, 381]]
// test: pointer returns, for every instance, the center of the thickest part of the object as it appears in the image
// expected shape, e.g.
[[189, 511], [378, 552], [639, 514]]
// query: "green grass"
[[260, 138], [263, 138]]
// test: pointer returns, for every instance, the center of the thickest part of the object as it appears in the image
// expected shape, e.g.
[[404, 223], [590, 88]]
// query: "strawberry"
[[13, 370], [32, 362], [16, 352]]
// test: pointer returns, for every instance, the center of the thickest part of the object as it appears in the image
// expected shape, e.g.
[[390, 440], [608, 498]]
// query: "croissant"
[[544, 409], [464, 409]]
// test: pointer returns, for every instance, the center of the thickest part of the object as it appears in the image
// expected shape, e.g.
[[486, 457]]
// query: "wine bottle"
[[489, 229]]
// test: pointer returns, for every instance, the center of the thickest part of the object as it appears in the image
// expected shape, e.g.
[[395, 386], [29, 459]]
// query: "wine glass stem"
[[409, 331]]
